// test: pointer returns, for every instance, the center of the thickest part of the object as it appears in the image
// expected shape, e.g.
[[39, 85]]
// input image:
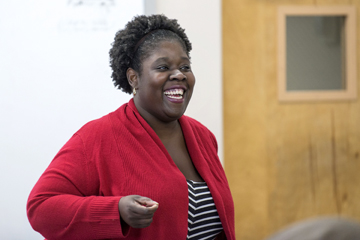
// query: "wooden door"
[[284, 161]]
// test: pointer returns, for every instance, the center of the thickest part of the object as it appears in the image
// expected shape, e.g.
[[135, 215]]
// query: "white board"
[[54, 77]]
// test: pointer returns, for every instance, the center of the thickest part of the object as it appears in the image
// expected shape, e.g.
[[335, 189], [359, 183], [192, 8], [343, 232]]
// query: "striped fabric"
[[203, 220]]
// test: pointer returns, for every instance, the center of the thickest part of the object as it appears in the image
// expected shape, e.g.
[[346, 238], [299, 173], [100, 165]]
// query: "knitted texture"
[[118, 155]]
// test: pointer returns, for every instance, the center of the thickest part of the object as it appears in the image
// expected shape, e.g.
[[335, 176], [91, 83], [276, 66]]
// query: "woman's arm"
[[64, 203]]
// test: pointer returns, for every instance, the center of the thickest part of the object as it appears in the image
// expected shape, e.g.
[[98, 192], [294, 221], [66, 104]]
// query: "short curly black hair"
[[136, 42]]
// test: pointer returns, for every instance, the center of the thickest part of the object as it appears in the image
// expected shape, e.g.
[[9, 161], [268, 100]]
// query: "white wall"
[[202, 22], [55, 76]]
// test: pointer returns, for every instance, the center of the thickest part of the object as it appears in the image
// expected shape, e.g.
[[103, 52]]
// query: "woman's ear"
[[132, 77]]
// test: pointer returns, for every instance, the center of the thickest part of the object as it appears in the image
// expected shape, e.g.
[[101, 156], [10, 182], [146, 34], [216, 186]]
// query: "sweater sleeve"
[[65, 202]]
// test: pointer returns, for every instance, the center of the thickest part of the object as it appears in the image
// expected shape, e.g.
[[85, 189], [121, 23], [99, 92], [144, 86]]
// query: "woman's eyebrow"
[[161, 59], [166, 59]]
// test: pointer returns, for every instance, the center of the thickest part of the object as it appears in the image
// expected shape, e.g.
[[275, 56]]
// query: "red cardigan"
[[117, 155]]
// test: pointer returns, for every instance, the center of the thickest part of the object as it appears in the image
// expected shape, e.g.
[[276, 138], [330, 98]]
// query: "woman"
[[144, 171]]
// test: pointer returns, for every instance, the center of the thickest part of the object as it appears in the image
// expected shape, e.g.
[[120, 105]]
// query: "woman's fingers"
[[144, 205], [147, 202], [137, 211]]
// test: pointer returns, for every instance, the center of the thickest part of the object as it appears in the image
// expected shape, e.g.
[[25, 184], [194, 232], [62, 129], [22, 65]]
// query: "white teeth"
[[173, 92], [175, 97]]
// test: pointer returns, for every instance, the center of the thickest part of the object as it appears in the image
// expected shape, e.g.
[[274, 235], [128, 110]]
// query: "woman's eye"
[[185, 68], [162, 68]]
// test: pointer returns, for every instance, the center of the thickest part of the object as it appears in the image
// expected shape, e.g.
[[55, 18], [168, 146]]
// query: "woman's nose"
[[177, 75]]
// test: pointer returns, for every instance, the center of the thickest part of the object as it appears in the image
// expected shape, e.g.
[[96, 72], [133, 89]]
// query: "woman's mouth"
[[175, 95]]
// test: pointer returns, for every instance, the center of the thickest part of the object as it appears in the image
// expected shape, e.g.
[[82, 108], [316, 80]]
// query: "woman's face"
[[166, 83]]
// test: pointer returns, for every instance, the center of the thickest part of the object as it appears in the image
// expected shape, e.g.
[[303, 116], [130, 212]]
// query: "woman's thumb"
[[146, 202]]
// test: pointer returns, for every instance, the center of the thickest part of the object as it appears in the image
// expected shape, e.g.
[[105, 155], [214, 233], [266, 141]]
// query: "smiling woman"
[[164, 74], [144, 171]]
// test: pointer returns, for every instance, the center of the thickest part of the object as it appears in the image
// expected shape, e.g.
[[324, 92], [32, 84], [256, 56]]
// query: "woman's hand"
[[137, 211]]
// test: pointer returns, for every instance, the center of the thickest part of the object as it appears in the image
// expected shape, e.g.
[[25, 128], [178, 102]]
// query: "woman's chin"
[[175, 114]]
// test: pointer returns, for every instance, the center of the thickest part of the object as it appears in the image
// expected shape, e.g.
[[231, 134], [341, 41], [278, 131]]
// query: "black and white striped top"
[[203, 218]]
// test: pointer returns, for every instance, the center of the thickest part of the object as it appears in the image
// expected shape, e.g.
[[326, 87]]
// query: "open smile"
[[175, 94]]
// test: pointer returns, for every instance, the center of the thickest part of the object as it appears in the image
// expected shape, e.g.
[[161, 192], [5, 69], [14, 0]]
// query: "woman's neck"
[[164, 130]]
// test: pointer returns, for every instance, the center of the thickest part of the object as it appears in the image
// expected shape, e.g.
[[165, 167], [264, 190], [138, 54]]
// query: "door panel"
[[284, 161]]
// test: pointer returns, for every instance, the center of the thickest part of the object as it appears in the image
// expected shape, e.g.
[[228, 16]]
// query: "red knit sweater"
[[117, 155]]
